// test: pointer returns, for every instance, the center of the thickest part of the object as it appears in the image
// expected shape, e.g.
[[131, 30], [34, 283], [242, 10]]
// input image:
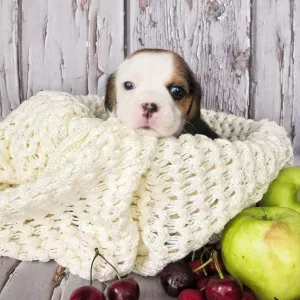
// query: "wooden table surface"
[[38, 281]]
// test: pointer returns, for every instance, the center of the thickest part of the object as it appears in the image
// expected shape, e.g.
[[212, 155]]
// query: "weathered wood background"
[[246, 54]]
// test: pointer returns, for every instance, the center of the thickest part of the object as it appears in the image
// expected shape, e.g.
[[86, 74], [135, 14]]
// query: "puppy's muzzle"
[[149, 109]]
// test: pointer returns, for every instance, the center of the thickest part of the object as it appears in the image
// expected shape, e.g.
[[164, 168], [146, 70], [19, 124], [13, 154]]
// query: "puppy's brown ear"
[[195, 93], [110, 95], [195, 124]]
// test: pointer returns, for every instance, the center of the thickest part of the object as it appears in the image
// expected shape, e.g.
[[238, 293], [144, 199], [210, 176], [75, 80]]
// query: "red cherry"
[[87, 292], [124, 289], [248, 294], [201, 283], [190, 294], [195, 264], [223, 289]]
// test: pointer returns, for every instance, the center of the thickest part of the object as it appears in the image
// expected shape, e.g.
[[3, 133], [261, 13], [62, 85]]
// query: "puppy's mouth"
[[147, 130]]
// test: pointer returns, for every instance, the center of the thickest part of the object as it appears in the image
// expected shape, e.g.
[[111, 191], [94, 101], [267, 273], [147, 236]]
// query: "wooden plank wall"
[[213, 37], [9, 50], [275, 65], [246, 53]]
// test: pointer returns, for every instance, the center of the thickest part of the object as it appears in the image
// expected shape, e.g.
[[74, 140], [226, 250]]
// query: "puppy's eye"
[[128, 85], [177, 92]]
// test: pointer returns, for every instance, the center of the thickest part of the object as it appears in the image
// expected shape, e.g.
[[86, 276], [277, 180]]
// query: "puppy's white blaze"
[[149, 72]]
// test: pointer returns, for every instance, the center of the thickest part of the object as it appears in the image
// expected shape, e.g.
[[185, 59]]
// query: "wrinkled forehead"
[[155, 68]]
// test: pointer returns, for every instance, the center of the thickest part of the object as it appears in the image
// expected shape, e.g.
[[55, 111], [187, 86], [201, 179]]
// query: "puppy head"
[[154, 92]]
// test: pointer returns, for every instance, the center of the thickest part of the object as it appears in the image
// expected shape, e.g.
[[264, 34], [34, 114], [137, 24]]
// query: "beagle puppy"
[[155, 92]]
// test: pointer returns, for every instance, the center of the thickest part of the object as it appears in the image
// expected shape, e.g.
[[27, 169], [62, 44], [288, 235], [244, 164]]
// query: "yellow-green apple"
[[284, 190], [261, 249]]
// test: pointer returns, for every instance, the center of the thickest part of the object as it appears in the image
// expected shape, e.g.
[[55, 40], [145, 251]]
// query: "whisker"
[[187, 122]]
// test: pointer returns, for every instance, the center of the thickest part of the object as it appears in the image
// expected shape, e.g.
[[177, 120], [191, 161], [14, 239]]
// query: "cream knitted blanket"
[[72, 181]]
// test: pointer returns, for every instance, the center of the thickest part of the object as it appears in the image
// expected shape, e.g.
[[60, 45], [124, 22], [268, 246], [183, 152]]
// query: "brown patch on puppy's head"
[[183, 77], [110, 96]]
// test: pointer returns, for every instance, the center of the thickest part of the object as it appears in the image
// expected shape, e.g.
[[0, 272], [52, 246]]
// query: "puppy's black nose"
[[149, 109]]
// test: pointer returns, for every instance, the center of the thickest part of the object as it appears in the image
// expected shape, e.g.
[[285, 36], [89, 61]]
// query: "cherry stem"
[[201, 262], [91, 269], [207, 250], [99, 254], [202, 266], [193, 255], [215, 259]]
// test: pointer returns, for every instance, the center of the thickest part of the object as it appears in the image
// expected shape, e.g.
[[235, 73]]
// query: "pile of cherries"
[[122, 289], [202, 276]]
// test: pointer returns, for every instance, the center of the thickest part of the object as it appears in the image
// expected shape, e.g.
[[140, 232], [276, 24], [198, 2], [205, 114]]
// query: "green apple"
[[284, 190], [261, 249]]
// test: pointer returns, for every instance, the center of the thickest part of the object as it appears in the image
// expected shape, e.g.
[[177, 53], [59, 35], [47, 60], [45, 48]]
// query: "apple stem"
[[202, 266], [99, 254], [215, 259]]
